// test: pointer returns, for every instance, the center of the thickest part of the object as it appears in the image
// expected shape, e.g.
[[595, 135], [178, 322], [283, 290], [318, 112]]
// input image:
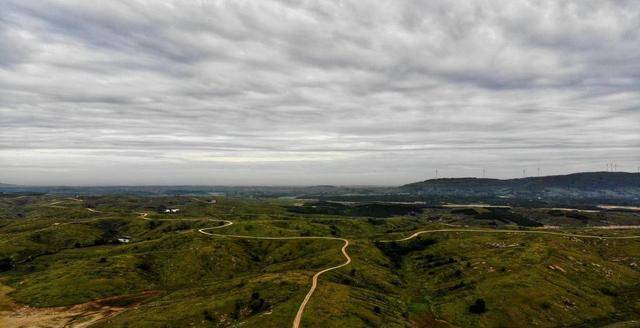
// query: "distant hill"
[[581, 185]]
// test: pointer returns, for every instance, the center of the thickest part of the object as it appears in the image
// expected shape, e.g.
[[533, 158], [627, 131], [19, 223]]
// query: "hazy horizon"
[[295, 185], [329, 93]]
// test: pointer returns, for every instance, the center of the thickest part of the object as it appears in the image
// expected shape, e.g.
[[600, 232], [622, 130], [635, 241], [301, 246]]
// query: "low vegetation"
[[60, 252]]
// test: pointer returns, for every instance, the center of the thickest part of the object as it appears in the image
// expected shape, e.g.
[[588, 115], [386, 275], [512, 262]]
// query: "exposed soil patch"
[[77, 316]]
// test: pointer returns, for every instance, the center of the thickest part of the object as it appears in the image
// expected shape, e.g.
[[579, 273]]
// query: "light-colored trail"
[[314, 279], [533, 232], [226, 223], [314, 283], [562, 234]]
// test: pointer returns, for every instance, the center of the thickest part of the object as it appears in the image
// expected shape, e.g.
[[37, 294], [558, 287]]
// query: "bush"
[[257, 304], [207, 315], [153, 224], [397, 250], [144, 265], [466, 211], [237, 309], [6, 264], [608, 291], [478, 307], [506, 216], [577, 215]]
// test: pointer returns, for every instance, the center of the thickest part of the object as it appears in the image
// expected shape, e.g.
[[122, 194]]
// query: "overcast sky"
[[315, 92]]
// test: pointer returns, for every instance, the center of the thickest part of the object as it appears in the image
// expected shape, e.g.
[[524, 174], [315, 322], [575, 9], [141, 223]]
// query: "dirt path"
[[314, 283], [63, 317], [416, 234], [533, 232], [314, 279]]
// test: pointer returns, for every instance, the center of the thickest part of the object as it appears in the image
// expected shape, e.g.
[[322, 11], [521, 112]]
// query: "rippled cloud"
[[315, 92]]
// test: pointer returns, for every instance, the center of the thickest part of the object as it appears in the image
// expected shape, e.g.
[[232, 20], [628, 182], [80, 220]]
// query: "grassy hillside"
[[605, 185], [60, 252]]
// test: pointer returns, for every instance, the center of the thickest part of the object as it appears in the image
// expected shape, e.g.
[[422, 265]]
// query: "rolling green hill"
[[475, 267], [578, 185]]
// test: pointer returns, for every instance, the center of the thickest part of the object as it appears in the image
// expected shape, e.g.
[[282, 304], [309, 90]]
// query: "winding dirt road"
[[314, 279], [534, 232]]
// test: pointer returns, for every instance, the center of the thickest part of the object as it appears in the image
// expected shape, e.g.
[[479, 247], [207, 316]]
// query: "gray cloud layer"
[[308, 92]]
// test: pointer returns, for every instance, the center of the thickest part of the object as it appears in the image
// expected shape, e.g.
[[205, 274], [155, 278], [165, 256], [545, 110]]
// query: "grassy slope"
[[541, 280], [209, 281]]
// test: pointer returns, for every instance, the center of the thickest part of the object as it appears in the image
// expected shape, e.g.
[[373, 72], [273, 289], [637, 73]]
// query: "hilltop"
[[586, 184]]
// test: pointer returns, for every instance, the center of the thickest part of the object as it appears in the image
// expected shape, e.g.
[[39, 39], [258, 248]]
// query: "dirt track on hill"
[[533, 232], [314, 279], [71, 316]]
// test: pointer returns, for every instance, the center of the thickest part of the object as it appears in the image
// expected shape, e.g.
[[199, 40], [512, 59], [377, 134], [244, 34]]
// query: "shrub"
[[478, 307], [6, 264], [396, 250], [207, 315], [237, 309], [377, 310], [144, 265], [153, 224], [608, 291], [577, 215]]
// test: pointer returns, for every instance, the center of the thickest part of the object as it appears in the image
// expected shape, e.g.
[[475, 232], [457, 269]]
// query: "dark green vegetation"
[[376, 210], [591, 186], [57, 251]]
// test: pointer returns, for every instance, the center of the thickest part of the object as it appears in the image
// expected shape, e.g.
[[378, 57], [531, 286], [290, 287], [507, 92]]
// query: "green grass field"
[[54, 252]]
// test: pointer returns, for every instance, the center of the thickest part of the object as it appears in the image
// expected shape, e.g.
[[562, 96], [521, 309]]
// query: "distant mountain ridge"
[[586, 184]]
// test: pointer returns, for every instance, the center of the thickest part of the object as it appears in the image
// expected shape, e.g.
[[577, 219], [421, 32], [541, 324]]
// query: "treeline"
[[396, 251], [377, 210], [504, 215]]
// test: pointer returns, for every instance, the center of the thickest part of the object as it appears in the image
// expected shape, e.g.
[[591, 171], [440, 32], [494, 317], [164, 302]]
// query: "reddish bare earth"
[[77, 316]]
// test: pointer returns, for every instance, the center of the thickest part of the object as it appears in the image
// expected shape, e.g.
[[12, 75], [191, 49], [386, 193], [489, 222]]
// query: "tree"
[[377, 310], [207, 315], [6, 264], [257, 304], [478, 307]]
